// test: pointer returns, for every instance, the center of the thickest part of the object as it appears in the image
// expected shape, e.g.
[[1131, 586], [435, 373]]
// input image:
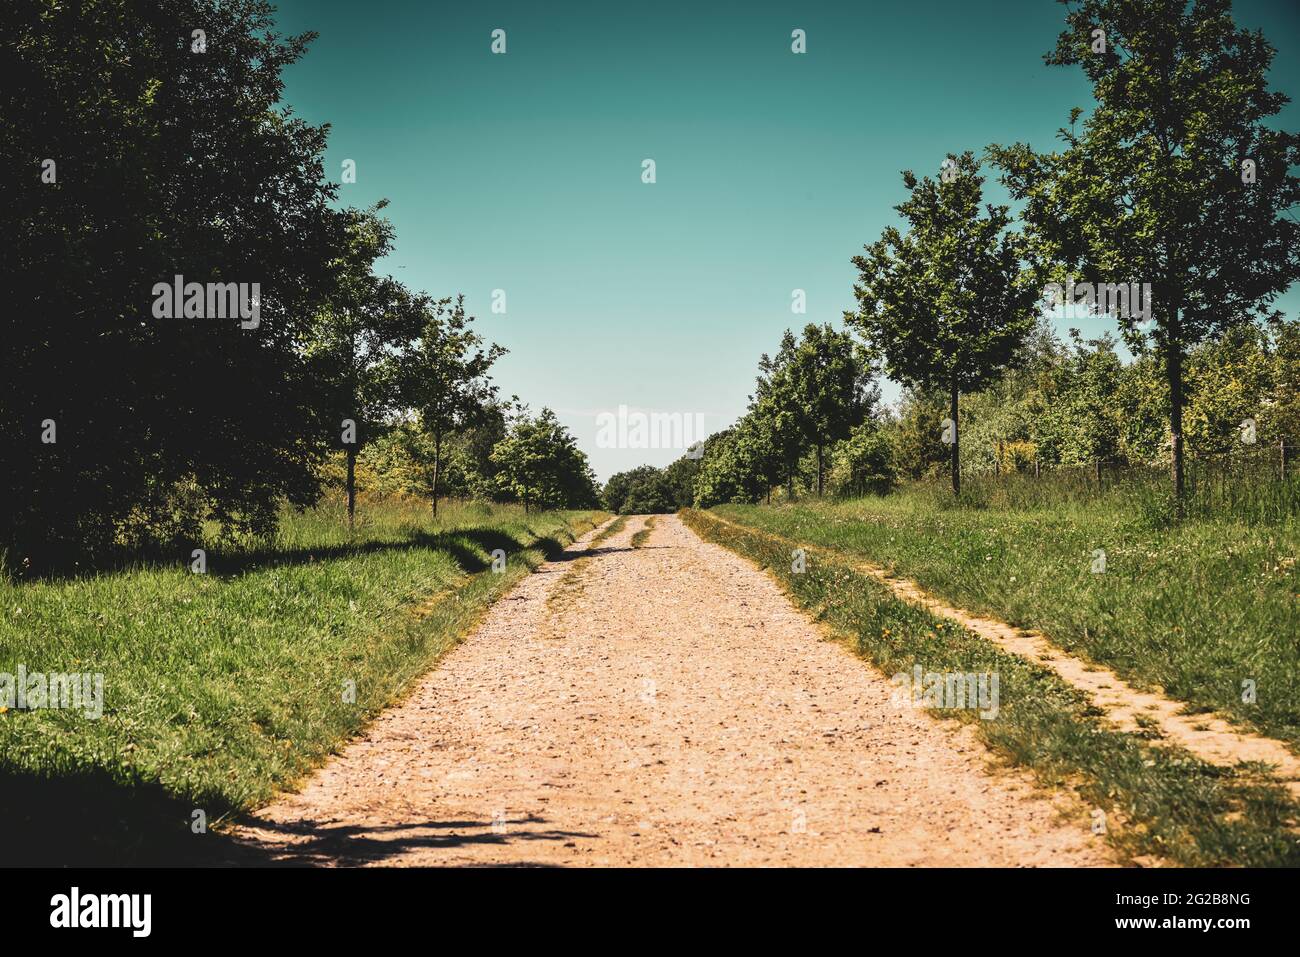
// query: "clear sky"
[[523, 171]]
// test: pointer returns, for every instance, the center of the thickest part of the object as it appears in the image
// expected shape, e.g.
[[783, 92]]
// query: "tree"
[[641, 490], [863, 462], [165, 162], [740, 464], [682, 474], [1174, 179], [358, 335], [947, 304], [1082, 422], [912, 430], [774, 431], [832, 381], [445, 376], [542, 466], [471, 452]]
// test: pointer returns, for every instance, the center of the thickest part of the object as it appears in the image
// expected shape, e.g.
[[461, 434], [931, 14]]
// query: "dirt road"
[[663, 705]]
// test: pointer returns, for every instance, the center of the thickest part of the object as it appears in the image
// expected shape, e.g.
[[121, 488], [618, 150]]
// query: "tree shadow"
[[91, 820], [469, 557], [461, 544], [307, 843], [588, 553]]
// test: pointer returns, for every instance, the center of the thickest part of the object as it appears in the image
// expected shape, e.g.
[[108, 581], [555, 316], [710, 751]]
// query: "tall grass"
[[1246, 488]]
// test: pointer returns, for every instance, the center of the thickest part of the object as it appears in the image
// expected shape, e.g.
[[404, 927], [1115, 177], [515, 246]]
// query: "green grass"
[[1159, 801], [222, 688], [573, 582], [606, 533], [641, 537], [1195, 609]]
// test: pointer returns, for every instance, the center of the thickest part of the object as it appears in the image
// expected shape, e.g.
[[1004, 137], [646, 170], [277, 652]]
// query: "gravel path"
[[663, 705]]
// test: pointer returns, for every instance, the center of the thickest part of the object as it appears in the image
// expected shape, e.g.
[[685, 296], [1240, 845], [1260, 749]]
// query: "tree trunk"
[[1174, 374], [819, 470], [437, 461], [956, 448], [352, 485]]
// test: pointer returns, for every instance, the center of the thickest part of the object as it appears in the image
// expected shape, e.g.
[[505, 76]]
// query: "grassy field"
[[1158, 802], [221, 688], [1195, 609]]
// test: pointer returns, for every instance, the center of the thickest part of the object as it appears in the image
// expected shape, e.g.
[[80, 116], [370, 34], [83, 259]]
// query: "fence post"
[[1281, 458], [1037, 468], [1097, 467]]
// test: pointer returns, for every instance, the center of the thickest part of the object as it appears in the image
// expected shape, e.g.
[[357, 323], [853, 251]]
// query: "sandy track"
[[668, 707]]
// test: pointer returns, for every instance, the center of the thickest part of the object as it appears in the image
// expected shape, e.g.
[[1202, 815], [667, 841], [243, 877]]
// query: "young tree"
[[948, 303], [367, 323], [911, 431], [775, 421], [542, 466], [832, 380], [471, 452], [445, 376], [1083, 422], [1173, 180]]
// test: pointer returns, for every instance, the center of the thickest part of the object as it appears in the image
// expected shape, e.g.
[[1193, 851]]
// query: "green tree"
[[471, 451], [911, 433], [1280, 418], [740, 464], [1228, 381], [947, 304], [368, 321], [445, 376], [166, 162], [644, 489], [1174, 178], [863, 462], [831, 379], [773, 438], [682, 473], [1081, 422], [541, 465]]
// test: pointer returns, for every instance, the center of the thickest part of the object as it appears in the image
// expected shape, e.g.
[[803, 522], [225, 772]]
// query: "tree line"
[[1169, 208], [136, 148], [1065, 402]]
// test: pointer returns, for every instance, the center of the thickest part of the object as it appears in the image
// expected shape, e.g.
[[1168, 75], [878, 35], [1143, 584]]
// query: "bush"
[[863, 463]]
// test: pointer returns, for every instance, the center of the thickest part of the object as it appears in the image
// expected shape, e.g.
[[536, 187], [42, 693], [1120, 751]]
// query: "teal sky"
[[522, 172]]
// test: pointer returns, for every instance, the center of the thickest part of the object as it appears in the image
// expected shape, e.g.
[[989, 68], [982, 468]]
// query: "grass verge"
[[1204, 611], [1159, 802], [221, 688]]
